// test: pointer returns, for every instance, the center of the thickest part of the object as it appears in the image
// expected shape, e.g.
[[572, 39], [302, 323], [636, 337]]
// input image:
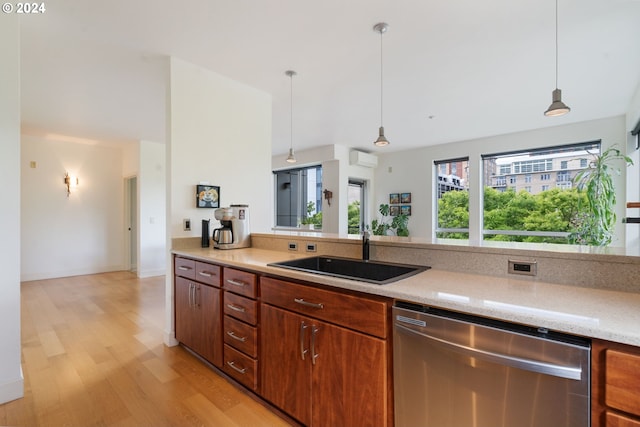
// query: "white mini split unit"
[[363, 159]]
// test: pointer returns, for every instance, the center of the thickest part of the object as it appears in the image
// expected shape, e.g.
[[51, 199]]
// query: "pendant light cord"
[[291, 121], [556, 44], [381, 79]]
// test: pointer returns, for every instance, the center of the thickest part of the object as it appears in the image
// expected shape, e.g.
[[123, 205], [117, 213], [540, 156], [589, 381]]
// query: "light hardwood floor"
[[92, 355]]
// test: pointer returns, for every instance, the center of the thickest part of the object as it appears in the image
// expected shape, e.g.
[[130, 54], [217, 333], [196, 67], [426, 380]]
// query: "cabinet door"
[[185, 322], [286, 377], [350, 383], [209, 317]]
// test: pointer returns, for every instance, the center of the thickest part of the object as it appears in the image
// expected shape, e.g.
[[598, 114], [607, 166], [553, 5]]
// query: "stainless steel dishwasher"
[[456, 370]]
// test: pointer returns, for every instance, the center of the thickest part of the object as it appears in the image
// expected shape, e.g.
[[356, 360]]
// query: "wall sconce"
[[70, 181], [328, 195]]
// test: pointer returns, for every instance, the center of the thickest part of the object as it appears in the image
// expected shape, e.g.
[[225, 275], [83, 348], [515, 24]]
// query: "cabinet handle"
[[303, 351], [236, 282], [183, 268], [234, 367], [314, 333], [308, 304], [191, 297], [196, 300], [235, 337], [236, 308], [206, 273]]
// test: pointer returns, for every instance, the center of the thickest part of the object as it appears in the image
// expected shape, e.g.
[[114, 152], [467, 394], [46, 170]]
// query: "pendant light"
[[557, 107], [381, 28], [291, 158]]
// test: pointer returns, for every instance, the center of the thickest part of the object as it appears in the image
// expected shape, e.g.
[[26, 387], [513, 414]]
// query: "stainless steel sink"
[[349, 268]]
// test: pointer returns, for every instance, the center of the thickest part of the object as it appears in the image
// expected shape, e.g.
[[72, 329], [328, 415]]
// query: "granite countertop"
[[595, 313]]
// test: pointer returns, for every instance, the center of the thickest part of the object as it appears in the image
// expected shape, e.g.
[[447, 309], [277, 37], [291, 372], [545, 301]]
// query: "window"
[[298, 195], [452, 201], [540, 213]]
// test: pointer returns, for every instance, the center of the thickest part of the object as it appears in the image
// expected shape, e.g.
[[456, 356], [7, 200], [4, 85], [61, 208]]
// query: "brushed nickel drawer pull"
[[303, 351], [314, 354], [236, 282], [183, 268], [206, 274], [236, 308], [234, 367], [235, 337], [308, 304]]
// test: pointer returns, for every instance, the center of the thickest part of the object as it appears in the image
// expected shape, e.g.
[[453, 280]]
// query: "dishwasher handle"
[[567, 372]]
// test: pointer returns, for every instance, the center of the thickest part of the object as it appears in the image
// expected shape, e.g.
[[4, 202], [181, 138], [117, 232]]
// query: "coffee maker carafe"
[[234, 232]]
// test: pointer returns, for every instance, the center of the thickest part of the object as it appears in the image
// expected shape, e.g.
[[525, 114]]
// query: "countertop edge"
[[593, 313]]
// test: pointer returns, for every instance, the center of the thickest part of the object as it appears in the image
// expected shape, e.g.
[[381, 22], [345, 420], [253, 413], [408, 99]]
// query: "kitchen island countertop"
[[596, 313]]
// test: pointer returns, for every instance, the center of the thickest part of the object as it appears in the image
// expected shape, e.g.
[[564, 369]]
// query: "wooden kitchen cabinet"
[[198, 314], [240, 326], [615, 385], [314, 367]]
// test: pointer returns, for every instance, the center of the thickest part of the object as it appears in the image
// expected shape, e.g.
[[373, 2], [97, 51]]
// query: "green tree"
[[353, 217]]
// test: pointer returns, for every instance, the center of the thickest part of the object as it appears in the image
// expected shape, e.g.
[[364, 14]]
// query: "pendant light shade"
[[557, 107], [382, 140], [291, 158]]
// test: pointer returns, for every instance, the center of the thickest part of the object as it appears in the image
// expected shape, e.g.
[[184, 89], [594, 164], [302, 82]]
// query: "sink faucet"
[[365, 245]]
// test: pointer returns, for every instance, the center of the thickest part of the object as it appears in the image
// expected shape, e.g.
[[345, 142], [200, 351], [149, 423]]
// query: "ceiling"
[[96, 71]]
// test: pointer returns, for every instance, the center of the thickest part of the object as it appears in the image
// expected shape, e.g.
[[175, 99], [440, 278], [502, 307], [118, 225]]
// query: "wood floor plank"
[[93, 355]]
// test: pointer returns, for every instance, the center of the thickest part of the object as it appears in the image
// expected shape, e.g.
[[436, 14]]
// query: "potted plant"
[[310, 220], [397, 225], [594, 223]]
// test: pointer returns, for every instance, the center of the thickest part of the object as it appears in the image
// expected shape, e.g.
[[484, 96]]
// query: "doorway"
[[355, 206], [131, 223]]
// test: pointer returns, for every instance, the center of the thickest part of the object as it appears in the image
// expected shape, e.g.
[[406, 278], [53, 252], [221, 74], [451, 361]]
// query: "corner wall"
[[81, 234], [219, 131], [11, 379]]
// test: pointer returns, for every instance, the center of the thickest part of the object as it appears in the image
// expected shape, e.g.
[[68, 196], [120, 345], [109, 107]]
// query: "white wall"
[[80, 234], [152, 255], [219, 131], [11, 380], [412, 170]]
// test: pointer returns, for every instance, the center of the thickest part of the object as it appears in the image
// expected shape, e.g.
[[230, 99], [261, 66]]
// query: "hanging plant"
[[594, 223]]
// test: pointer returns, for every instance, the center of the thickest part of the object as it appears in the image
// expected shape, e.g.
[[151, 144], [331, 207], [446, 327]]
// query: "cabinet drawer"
[[185, 267], [208, 273], [241, 308], [616, 420], [359, 313], [240, 282], [241, 367], [622, 377], [241, 336]]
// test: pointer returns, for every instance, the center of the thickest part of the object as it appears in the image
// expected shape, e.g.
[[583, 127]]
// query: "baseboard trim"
[[12, 390]]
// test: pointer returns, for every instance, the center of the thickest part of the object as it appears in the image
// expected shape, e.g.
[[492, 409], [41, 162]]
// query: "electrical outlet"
[[527, 268], [186, 224], [311, 247], [293, 246]]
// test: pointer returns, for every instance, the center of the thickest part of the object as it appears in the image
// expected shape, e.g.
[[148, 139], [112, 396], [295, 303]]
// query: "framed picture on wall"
[[405, 210], [405, 197], [207, 196], [394, 198], [394, 210]]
